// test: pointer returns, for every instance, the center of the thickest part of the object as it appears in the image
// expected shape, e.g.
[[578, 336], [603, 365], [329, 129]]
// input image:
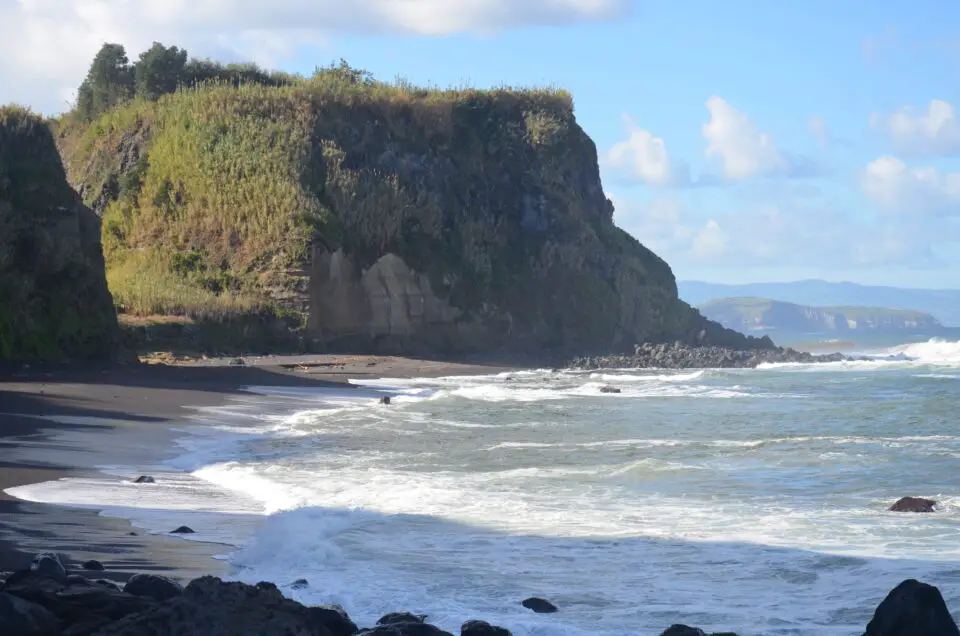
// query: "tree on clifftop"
[[109, 82], [159, 70]]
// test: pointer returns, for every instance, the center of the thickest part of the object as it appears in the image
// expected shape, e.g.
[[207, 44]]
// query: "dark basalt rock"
[[539, 605], [914, 504], [211, 607], [405, 629], [80, 605], [912, 609], [157, 587], [401, 617], [48, 564], [610, 389], [482, 628], [23, 618], [684, 630], [334, 618], [144, 479], [183, 530], [385, 399], [110, 585], [684, 356], [300, 584], [93, 564]]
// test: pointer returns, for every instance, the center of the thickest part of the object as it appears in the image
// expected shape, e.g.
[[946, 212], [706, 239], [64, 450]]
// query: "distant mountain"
[[942, 304], [753, 315]]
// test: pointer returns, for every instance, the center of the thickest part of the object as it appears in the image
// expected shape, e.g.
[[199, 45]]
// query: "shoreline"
[[73, 420]]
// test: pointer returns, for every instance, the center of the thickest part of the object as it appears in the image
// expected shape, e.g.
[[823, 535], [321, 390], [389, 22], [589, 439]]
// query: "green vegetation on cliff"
[[217, 198], [54, 302]]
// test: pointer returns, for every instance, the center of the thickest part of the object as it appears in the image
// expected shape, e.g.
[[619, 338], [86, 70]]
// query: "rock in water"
[[23, 618], [385, 399], [93, 564], [683, 630], [482, 628], [48, 564], [144, 479], [912, 609], [183, 530], [401, 617], [539, 605], [159, 588], [914, 504], [405, 629], [609, 389]]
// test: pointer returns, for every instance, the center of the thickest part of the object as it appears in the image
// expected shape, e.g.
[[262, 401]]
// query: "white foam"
[[644, 377], [468, 494]]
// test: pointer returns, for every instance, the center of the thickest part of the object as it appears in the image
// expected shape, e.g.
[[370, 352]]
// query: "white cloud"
[[915, 192], [780, 234], [47, 45], [934, 132], [736, 141], [643, 156]]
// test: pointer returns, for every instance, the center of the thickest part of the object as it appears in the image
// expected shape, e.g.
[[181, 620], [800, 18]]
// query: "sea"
[[750, 500]]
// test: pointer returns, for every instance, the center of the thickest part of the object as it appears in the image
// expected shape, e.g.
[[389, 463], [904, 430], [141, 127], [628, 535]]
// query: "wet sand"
[[60, 422]]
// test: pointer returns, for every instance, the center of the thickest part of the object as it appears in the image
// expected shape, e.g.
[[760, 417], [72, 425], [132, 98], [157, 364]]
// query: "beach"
[[68, 421]]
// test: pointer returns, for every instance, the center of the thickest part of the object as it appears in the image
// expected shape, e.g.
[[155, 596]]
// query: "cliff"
[[375, 217], [760, 315], [54, 302]]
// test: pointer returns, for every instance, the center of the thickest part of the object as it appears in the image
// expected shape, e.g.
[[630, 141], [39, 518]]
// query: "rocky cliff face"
[[54, 302], [393, 220]]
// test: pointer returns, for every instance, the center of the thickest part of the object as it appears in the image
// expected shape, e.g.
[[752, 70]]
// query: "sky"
[[742, 141]]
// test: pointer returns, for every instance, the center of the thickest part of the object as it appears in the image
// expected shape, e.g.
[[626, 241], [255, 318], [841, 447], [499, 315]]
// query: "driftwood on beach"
[[48, 600]]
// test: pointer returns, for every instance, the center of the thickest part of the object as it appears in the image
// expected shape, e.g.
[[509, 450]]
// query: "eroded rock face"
[[388, 303], [52, 279]]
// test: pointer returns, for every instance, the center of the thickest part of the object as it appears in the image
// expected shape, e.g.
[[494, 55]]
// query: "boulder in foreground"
[[912, 609], [914, 504]]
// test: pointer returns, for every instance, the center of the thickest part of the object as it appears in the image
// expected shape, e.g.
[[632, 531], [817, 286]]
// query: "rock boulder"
[[912, 609]]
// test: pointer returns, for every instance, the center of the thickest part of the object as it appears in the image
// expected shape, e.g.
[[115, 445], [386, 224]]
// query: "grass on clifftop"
[[212, 195]]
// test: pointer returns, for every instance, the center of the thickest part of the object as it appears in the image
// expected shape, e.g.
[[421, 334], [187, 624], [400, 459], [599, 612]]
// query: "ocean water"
[[747, 500]]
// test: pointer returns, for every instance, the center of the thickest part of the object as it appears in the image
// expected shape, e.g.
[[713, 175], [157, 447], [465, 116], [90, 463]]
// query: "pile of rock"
[[46, 600], [682, 356]]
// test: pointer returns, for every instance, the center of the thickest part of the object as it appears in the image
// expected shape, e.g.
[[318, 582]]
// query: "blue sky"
[[742, 141]]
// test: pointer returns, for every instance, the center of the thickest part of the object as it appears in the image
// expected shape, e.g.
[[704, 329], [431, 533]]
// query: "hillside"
[[942, 304], [765, 316], [357, 215], [55, 304]]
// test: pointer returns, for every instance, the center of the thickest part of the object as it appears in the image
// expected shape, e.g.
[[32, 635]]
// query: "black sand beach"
[[61, 422]]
